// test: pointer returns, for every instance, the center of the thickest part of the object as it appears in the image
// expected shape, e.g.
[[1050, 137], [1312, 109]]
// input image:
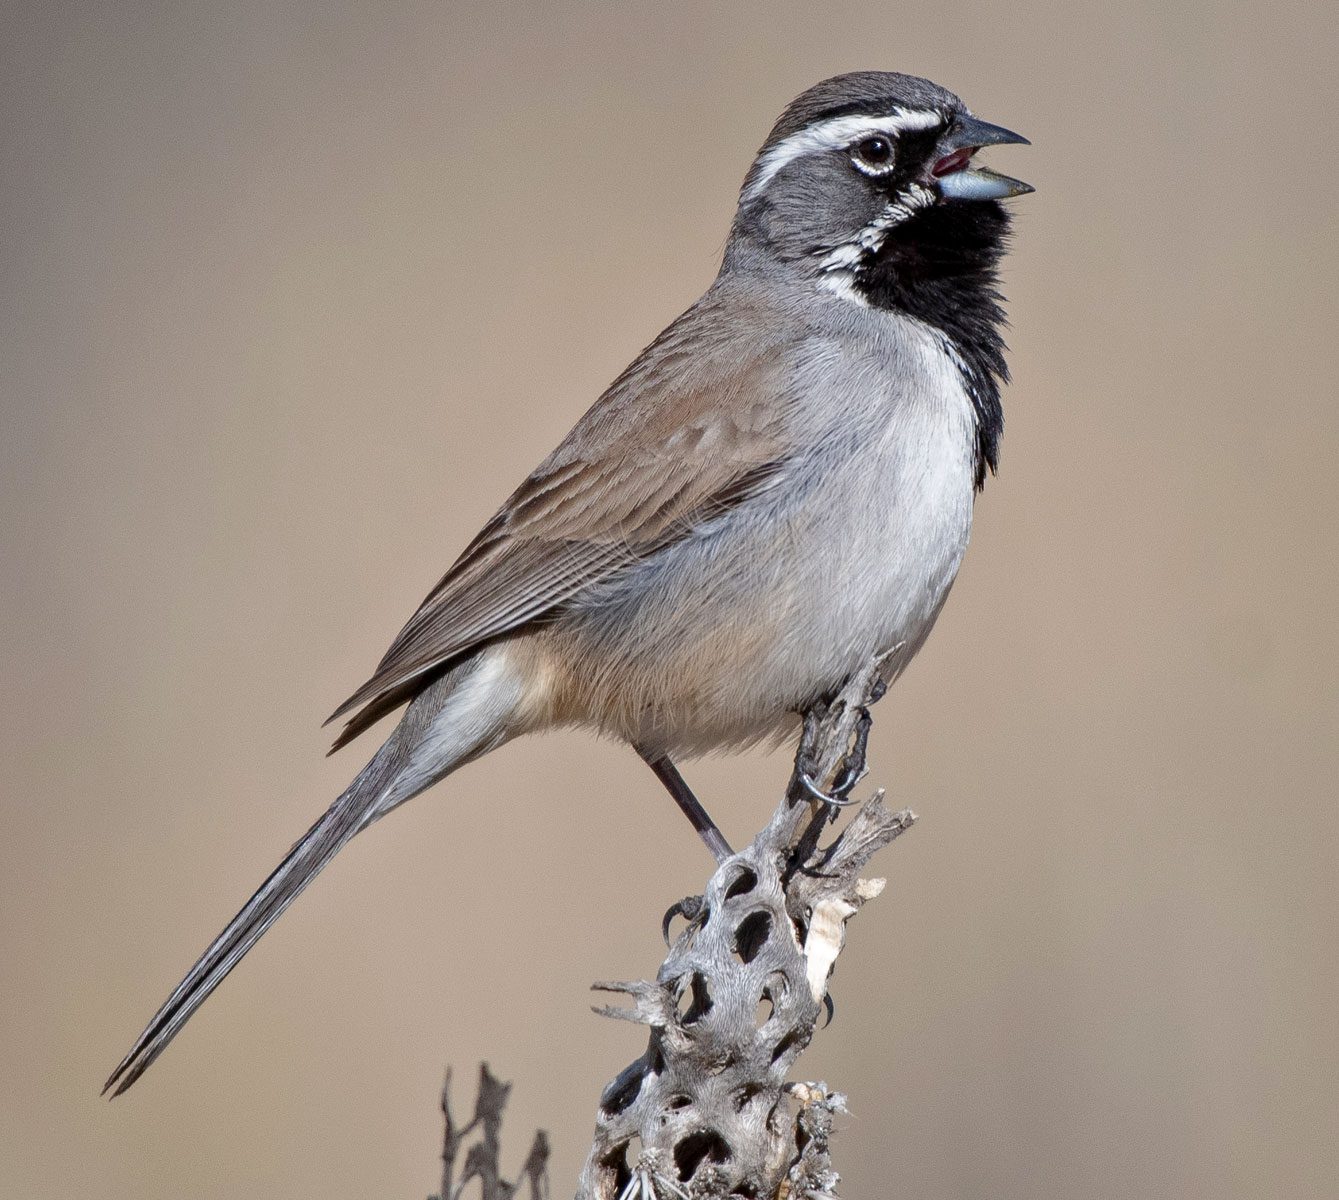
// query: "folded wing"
[[661, 453]]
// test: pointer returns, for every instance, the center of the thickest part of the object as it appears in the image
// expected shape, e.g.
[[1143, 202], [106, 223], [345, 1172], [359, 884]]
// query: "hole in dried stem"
[[752, 935], [742, 884], [622, 1092], [620, 1160], [696, 1148], [785, 1046], [695, 1000]]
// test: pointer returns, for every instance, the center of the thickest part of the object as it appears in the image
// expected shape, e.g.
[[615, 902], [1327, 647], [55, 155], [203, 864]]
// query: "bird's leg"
[[677, 786]]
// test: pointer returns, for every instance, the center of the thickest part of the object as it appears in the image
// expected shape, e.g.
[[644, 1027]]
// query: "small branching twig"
[[483, 1158], [706, 1111]]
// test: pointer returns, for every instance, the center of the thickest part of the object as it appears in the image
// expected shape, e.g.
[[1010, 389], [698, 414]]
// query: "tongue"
[[953, 162]]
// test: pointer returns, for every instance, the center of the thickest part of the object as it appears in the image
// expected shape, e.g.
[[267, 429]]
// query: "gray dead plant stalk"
[[483, 1158], [707, 1110]]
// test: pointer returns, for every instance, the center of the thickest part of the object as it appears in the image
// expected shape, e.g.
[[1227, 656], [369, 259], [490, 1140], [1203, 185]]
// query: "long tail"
[[320, 844], [453, 721]]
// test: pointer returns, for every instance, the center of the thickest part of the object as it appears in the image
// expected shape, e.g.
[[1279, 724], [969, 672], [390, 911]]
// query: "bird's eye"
[[873, 155]]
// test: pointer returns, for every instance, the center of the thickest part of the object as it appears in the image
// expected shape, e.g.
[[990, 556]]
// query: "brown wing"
[[646, 464]]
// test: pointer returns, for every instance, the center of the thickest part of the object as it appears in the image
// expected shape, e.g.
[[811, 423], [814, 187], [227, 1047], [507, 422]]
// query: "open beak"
[[952, 170]]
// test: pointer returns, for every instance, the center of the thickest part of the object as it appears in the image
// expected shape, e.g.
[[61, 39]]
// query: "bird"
[[777, 489]]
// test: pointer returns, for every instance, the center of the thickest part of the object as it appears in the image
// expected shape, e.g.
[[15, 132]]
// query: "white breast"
[[919, 490], [860, 566]]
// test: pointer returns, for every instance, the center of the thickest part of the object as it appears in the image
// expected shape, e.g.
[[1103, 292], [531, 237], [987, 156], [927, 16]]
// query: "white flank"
[[473, 720]]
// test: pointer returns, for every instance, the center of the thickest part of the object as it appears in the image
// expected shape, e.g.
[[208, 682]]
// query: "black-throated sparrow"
[[777, 489]]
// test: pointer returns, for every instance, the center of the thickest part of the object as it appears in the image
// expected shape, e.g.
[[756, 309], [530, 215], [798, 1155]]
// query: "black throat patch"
[[939, 266]]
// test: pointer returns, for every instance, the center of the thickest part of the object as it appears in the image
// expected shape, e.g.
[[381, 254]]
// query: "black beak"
[[953, 172], [968, 130]]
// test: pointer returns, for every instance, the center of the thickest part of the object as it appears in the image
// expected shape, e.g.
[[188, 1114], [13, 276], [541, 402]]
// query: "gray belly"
[[719, 640]]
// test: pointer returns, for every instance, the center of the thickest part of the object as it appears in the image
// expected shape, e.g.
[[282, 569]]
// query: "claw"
[[689, 908], [812, 788], [845, 783], [838, 801]]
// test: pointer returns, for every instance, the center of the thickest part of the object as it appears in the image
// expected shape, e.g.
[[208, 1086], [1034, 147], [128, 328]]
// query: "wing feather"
[[647, 464]]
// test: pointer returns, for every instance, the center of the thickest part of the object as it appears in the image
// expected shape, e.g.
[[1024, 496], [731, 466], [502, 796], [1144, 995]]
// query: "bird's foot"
[[852, 769]]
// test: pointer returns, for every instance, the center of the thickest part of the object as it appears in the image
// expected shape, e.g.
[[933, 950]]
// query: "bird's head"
[[862, 169]]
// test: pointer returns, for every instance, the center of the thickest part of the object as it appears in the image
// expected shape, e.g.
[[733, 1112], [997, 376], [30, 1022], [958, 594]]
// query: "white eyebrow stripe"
[[833, 134]]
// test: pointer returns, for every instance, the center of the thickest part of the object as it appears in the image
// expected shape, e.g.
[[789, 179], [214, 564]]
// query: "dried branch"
[[706, 1110], [483, 1158]]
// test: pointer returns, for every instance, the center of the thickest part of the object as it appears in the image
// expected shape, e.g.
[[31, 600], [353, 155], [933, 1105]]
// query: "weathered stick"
[[706, 1110], [483, 1159]]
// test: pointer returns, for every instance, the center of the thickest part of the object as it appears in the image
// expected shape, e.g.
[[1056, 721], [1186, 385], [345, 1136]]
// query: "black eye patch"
[[915, 147]]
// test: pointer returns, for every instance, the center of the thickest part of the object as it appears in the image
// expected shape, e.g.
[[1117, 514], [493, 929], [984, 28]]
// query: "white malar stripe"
[[834, 134], [841, 265]]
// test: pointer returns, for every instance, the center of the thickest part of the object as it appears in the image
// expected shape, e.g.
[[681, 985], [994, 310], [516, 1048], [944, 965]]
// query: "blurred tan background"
[[294, 293]]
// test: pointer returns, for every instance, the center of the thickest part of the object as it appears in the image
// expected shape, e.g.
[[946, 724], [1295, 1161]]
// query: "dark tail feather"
[[322, 842]]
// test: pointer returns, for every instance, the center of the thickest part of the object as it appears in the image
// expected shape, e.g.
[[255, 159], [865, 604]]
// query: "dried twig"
[[483, 1158]]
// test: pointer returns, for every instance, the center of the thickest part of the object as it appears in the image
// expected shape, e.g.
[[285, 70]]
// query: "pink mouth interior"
[[953, 162]]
